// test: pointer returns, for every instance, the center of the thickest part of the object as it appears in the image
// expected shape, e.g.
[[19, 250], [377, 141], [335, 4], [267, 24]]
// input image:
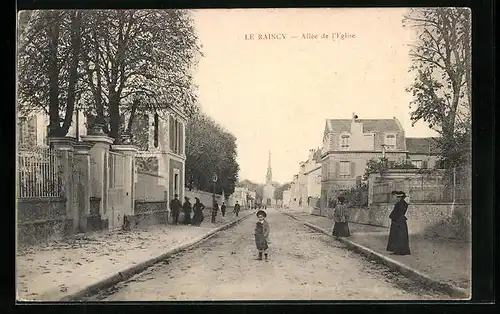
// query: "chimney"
[[311, 154]]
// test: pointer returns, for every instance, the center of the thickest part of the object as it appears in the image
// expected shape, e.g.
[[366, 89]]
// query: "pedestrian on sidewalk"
[[340, 217], [261, 234], [236, 209], [198, 208], [186, 208], [175, 207], [398, 242], [223, 209], [215, 209]]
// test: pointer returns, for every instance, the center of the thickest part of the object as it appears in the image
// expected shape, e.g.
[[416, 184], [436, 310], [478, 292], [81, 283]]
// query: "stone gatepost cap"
[[83, 146], [98, 139], [125, 148]]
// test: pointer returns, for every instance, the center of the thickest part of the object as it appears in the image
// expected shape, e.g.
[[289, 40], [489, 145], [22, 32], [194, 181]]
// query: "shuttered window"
[[171, 133], [345, 169], [390, 141], [181, 138], [176, 136]]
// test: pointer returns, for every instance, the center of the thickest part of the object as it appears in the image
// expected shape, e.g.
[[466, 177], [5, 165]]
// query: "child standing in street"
[[261, 234]]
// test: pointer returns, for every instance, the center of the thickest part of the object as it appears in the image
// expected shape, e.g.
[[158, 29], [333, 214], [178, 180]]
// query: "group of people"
[[197, 209], [398, 242]]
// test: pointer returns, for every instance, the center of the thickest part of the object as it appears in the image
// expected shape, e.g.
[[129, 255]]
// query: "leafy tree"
[[49, 55], [257, 188], [278, 192], [210, 149], [140, 60], [106, 62], [441, 62]]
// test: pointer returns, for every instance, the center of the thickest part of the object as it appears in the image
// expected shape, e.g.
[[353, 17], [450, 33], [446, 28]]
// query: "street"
[[303, 265]]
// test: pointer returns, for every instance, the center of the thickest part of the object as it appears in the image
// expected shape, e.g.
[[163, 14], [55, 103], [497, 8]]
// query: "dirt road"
[[302, 265]]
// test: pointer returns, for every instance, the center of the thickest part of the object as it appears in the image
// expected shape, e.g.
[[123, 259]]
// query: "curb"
[[395, 265], [129, 272]]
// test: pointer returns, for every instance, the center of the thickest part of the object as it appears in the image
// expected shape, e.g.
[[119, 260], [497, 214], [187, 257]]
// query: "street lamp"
[[214, 180]]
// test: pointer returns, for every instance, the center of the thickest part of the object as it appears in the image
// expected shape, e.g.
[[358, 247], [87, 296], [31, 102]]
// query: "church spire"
[[269, 175]]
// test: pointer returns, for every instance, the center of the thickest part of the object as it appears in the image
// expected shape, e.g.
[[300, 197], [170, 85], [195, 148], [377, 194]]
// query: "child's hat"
[[261, 212]]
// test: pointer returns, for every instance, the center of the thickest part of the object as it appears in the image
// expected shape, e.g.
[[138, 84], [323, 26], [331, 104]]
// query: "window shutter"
[[171, 132], [353, 169], [424, 164], [336, 170], [181, 138]]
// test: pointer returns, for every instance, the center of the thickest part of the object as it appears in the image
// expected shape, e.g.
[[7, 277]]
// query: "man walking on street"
[[223, 209], [175, 207], [236, 208], [215, 209]]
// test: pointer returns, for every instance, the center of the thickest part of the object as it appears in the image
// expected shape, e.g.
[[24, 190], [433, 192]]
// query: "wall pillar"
[[82, 161], [99, 154], [65, 146]]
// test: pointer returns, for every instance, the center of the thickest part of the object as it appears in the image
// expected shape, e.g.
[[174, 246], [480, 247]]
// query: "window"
[[176, 183], [417, 163], [176, 136], [390, 141], [344, 141], [345, 169], [156, 130]]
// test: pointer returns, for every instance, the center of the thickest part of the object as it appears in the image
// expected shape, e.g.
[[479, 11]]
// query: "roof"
[[369, 125], [422, 145]]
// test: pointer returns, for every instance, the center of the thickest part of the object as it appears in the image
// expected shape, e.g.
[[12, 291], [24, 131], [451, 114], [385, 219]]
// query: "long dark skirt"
[[197, 218], [341, 229], [398, 242], [187, 218], [261, 242]]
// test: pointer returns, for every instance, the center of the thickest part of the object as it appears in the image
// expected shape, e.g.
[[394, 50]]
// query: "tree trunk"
[[114, 115], [73, 75], [53, 73], [132, 117]]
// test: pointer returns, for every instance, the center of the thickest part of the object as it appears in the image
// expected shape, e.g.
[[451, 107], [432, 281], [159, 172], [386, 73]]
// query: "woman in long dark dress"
[[341, 226], [399, 243], [186, 208], [198, 212]]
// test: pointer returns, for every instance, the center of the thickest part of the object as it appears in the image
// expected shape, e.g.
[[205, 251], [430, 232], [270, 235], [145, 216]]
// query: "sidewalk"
[[444, 260], [58, 268]]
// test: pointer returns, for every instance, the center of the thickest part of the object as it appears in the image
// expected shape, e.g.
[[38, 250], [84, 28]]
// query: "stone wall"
[[150, 213], [148, 187], [40, 219], [437, 220]]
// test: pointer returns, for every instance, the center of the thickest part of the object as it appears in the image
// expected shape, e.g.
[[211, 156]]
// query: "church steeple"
[[269, 175]]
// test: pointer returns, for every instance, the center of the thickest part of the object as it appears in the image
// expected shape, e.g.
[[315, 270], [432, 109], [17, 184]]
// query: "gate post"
[[99, 153], [82, 163], [65, 146], [129, 152]]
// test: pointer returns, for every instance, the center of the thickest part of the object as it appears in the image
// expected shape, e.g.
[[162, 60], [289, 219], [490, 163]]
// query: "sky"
[[276, 94]]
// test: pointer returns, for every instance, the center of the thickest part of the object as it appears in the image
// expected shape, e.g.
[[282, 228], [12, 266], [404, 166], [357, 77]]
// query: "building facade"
[[349, 144], [313, 177], [423, 152]]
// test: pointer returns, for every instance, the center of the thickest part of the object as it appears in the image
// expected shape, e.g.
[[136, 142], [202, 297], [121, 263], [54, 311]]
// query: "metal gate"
[[116, 168]]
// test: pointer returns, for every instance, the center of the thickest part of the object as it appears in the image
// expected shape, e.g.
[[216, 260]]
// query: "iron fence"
[[39, 172], [454, 186]]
